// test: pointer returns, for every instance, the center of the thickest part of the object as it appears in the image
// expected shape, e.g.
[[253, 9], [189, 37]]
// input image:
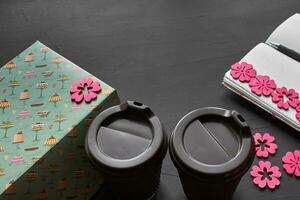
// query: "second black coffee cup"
[[212, 148], [127, 144]]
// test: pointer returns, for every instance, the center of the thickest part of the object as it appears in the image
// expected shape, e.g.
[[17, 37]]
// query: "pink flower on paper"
[[243, 72], [262, 85], [86, 90], [285, 98], [298, 113], [291, 163], [265, 175], [264, 145]]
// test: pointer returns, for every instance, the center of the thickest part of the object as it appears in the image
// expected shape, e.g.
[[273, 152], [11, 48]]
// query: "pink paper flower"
[[86, 89], [265, 175], [264, 145], [291, 163], [298, 113], [243, 72], [285, 98], [262, 85]]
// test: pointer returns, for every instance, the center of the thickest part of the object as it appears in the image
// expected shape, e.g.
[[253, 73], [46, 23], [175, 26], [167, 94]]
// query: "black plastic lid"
[[212, 143], [124, 138]]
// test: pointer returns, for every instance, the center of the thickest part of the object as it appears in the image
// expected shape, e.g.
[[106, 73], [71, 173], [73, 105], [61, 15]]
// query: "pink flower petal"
[[298, 115], [257, 180], [292, 93], [96, 87], [269, 138], [262, 184], [257, 90], [246, 66], [272, 148], [273, 183], [289, 158], [254, 82], [276, 172], [297, 171], [86, 81], [298, 108], [283, 105], [297, 154], [263, 79], [293, 103], [77, 97], [89, 81], [251, 73], [264, 153], [83, 81], [267, 91], [236, 66], [268, 165], [255, 171], [75, 87], [284, 90], [259, 152], [271, 84], [275, 97], [235, 74], [93, 95], [244, 78], [87, 98], [261, 164], [289, 168], [257, 137]]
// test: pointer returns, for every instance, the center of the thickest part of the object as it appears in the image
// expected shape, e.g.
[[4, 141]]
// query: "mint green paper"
[[49, 163]]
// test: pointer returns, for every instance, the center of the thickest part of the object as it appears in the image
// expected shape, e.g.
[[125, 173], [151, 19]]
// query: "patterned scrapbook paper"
[[42, 131]]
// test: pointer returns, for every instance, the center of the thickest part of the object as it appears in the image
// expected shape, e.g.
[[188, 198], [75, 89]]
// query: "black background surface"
[[168, 54]]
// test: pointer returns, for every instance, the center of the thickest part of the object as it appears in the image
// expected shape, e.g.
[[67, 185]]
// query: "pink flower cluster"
[[266, 175], [264, 85]]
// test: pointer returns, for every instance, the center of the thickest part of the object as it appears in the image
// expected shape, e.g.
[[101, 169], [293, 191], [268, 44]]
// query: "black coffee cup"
[[127, 144], [212, 148]]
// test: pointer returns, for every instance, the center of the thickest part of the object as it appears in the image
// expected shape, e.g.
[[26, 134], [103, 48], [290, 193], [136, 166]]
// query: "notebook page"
[[288, 33]]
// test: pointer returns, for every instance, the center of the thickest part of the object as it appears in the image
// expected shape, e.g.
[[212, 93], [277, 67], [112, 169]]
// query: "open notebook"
[[284, 70]]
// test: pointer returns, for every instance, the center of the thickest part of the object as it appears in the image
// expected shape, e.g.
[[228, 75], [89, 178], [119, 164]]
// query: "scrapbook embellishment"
[[266, 175], [291, 163], [242, 71], [262, 85], [86, 90], [285, 98], [298, 113], [264, 145]]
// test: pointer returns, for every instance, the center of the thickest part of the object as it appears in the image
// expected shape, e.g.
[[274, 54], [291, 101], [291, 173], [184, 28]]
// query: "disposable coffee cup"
[[212, 148], [127, 144]]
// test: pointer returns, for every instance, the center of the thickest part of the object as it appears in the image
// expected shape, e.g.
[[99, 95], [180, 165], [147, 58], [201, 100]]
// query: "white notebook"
[[284, 70]]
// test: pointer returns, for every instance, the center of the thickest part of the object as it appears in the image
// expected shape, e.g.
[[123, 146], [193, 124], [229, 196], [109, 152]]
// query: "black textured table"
[[168, 54]]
